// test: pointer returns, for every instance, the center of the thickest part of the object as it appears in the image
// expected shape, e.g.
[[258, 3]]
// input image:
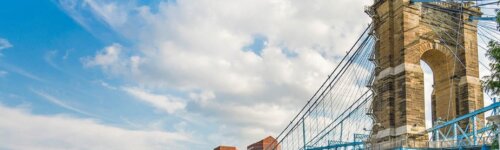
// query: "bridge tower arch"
[[447, 41]]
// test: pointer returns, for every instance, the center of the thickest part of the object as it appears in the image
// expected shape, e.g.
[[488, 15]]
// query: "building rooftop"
[[264, 144], [225, 148]]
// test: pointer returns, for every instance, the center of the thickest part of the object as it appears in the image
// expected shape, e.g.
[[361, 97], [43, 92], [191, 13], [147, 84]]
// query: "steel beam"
[[433, 1], [304, 132], [472, 18], [336, 146], [474, 113]]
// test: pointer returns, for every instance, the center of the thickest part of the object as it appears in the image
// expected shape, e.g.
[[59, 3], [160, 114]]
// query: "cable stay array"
[[339, 114], [465, 131], [337, 111]]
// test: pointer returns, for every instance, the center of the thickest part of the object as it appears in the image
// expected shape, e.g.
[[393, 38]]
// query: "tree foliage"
[[491, 83], [498, 17]]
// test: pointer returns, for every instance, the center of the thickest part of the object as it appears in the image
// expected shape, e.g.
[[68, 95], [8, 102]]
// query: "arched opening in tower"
[[440, 79], [428, 92]]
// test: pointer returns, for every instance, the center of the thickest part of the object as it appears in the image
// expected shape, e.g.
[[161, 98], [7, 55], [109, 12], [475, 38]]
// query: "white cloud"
[[111, 59], [106, 85], [22, 72], [203, 98], [108, 56], [66, 54], [59, 102], [22, 130], [49, 58], [196, 48], [162, 102], [4, 44]]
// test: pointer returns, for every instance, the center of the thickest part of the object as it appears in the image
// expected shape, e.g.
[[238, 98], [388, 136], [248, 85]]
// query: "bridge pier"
[[407, 34]]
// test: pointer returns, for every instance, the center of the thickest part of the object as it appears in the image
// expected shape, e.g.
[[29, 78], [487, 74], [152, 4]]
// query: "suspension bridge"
[[374, 97]]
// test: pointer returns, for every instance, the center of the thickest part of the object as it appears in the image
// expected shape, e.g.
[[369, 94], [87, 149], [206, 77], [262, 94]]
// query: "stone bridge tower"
[[438, 35]]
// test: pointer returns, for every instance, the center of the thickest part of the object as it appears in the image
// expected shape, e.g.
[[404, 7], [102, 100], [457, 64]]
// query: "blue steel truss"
[[450, 134], [447, 1], [483, 18], [338, 145], [357, 143], [472, 18], [463, 131]]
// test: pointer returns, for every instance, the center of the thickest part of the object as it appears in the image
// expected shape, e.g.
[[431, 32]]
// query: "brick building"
[[225, 148], [268, 143]]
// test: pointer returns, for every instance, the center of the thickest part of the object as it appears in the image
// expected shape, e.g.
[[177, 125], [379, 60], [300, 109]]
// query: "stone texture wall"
[[409, 33]]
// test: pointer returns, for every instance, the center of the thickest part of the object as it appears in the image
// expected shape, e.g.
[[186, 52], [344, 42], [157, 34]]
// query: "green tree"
[[491, 83], [498, 17]]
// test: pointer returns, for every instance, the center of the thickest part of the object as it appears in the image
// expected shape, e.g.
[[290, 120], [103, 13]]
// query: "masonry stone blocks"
[[408, 33]]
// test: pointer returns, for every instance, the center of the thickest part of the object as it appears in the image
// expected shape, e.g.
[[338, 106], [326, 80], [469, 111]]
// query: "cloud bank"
[[244, 67], [22, 130]]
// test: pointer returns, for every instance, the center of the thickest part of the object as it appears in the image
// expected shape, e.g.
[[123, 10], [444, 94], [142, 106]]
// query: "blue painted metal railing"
[[358, 143], [471, 136], [455, 137]]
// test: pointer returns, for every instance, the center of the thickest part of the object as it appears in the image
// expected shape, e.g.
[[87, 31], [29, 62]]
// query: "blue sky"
[[42, 70], [45, 59], [84, 66], [163, 74], [157, 74]]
